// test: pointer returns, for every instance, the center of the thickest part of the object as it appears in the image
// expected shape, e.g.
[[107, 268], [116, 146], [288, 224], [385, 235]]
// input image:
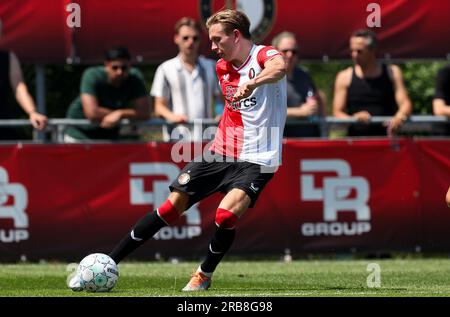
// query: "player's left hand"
[[244, 90], [111, 120]]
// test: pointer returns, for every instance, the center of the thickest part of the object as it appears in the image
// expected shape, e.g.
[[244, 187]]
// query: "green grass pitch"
[[341, 278]]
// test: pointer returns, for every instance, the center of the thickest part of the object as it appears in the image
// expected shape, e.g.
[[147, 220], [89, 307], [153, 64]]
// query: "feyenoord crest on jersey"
[[184, 178]]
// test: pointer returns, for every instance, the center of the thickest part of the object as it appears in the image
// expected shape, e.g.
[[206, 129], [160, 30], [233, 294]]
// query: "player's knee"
[[168, 212], [226, 219], [179, 200]]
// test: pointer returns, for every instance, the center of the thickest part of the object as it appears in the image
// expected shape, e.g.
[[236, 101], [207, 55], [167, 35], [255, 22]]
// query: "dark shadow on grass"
[[315, 289], [339, 288], [361, 289]]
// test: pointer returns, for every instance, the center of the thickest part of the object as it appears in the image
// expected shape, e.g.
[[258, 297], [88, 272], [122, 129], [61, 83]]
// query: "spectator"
[[370, 88], [441, 101], [185, 87], [108, 93], [11, 77], [303, 99]]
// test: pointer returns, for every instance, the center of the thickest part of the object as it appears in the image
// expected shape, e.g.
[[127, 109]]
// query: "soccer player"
[[253, 81]]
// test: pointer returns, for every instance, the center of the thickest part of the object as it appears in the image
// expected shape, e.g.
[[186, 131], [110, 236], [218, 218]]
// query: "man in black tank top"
[[11, 78], [370, 89]]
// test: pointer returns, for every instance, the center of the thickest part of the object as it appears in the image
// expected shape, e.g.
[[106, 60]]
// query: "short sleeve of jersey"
[[266, 54], [443, 84], [221, 68]]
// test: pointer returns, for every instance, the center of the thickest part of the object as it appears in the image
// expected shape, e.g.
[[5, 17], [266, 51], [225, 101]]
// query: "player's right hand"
[[245, 90]]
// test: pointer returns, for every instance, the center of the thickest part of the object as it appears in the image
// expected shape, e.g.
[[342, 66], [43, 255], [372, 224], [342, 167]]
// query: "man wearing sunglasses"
[[303, 99], [185, 87], [108, 93]]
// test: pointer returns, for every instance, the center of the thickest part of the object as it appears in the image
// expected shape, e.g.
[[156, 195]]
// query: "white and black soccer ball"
[[98, 273]]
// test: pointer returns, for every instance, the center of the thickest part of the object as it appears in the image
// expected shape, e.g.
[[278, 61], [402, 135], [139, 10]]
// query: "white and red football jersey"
[[251, 129]]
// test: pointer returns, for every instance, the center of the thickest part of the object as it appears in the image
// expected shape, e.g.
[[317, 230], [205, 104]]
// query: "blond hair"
[[231, 20]]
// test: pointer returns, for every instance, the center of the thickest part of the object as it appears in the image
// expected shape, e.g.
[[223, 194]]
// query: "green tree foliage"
[[420, 80]]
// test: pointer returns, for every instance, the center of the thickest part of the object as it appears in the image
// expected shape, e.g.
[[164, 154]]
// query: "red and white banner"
[[64, 201], [51, 31]]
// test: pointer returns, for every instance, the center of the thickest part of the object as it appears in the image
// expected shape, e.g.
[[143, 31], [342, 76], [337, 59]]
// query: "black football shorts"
[[201, 179]]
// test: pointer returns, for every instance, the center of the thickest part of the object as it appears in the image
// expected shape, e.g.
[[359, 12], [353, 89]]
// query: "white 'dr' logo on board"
[[335, 195], [15, 210], [139, 196]]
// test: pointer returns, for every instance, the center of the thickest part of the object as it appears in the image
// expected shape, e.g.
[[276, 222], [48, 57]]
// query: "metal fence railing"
[[56, 127]]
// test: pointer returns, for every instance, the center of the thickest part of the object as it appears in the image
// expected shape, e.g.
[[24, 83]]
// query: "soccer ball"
[[98, 273]]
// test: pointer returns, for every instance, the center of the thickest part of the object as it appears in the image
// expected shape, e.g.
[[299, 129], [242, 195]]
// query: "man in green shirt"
[[108, 94]]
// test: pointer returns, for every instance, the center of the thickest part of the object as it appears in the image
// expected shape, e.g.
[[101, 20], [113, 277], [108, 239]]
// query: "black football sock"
[[220, 244], [143, 230]]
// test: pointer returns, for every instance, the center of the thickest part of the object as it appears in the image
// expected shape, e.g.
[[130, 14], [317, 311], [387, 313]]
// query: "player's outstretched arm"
[[274, 70]]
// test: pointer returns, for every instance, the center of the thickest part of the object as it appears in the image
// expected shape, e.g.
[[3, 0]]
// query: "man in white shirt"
[[185, 87]]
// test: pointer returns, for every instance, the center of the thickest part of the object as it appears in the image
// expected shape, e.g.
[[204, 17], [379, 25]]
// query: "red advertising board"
[[64, 201]]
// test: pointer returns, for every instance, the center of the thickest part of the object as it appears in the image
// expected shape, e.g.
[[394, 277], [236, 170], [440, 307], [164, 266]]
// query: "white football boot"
[[74, 283]]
